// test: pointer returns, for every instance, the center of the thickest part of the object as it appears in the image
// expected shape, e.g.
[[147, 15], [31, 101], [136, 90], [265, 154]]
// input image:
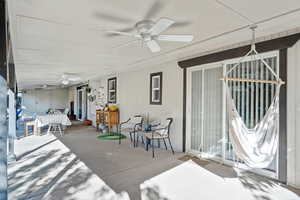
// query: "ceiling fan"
[[149, 32], [67, 78], [46, 87], [146, 30]]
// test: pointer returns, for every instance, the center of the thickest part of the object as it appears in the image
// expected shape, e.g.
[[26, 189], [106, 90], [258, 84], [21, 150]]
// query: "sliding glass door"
[[206, 111], [206, 106], [82, 104]]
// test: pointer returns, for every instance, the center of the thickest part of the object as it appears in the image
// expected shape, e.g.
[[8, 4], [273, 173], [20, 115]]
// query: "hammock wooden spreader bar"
[[253, 80]]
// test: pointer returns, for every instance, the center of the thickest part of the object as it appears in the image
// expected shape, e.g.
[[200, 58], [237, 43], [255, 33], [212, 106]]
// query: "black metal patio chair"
[[131, 126], [160, 132]]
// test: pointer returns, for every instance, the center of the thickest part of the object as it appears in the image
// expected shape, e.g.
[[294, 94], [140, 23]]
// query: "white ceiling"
[[51, 37]]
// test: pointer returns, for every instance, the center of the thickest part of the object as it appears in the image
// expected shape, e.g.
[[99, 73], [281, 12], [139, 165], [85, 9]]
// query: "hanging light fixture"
[[65, 82]]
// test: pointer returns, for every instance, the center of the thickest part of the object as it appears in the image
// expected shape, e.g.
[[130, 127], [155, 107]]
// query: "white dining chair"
[[55, 128]]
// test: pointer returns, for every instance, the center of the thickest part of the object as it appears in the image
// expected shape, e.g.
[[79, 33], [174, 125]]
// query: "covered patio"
[[86, 168], [149, 100]]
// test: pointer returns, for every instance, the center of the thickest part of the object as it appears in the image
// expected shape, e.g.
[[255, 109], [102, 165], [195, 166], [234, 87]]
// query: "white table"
[[44, 120]]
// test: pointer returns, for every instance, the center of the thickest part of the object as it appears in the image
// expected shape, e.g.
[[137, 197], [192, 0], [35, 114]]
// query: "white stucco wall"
[[96, 84], [71, 93], [133, 96], [40, 100], [293, 116]]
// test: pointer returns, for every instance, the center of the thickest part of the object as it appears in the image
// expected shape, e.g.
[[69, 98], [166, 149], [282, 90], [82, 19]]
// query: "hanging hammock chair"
[[256, 146]]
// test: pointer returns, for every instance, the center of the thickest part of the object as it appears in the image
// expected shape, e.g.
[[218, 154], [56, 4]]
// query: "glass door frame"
[[79, 104], [189, 108], [223, 160], [83, 105]]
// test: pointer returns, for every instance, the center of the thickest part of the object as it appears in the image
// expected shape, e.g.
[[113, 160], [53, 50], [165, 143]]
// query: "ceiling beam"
[[261, 47]]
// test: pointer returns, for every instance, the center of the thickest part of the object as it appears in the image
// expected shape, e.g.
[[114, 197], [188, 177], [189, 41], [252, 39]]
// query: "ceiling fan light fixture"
[[65, 82]]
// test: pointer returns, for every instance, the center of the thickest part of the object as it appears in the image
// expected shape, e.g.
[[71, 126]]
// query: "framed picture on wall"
[[156, 88], [112, 90]]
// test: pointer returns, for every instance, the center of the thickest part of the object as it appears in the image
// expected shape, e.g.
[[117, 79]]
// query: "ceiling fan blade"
[[45, 86], [125, 44], [124, 33], [161, 25], [153, 46], [181, 23], [112, 18], [120, 33], [176, 38], [67, 77], [49, 86], [155, 8], [128, 30], [74, 79]]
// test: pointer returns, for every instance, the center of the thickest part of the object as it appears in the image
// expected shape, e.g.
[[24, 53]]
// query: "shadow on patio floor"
[[200, 179], [52, 171]]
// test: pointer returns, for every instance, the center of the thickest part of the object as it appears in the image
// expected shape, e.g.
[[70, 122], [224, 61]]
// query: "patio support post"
[[11, 127], [3, 139], [3, 103]]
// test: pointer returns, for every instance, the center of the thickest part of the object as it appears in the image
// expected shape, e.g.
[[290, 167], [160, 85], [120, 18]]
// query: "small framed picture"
[[156, 88], [112, 90]]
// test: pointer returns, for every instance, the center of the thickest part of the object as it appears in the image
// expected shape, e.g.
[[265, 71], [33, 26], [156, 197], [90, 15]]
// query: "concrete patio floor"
[[122, 167], [116, 168]]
